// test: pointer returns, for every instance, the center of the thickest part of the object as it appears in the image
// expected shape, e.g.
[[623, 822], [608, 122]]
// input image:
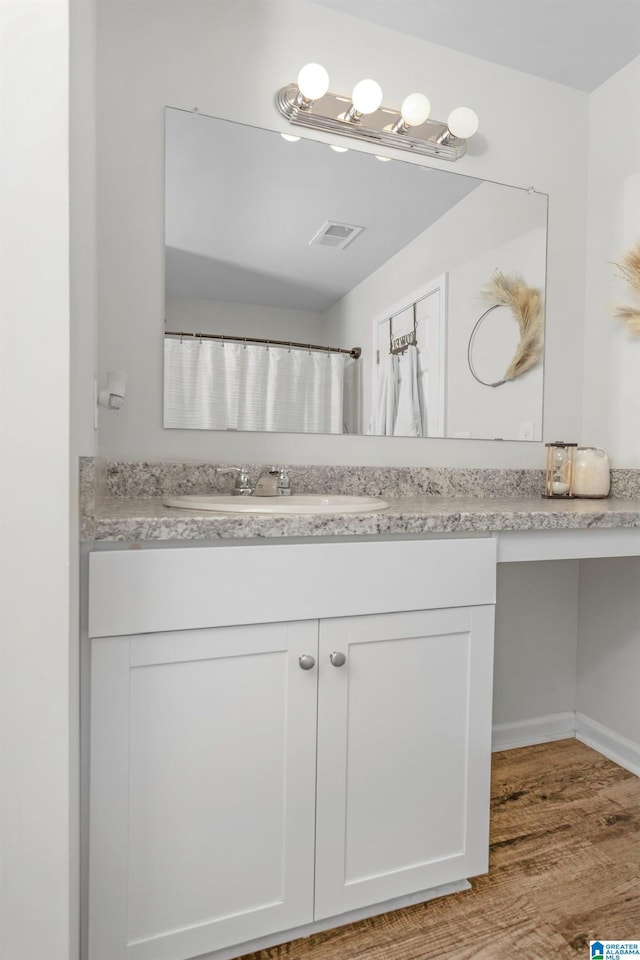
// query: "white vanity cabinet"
[[403, 754], [252, 778], [202, 789]]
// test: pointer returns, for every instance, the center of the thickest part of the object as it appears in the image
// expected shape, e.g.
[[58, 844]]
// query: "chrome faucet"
[[271, 482], [267, 483], [242, 486], [284, 483]]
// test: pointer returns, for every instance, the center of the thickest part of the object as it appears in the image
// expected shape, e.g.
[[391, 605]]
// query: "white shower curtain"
[[216, 385]]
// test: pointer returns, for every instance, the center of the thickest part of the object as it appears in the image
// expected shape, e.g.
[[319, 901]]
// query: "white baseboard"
[[563, 726], [526, 733], [610, 744]]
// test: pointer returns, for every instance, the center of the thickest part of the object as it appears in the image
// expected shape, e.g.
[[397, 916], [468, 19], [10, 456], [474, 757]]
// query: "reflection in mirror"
[[495, 341], [321, 292]]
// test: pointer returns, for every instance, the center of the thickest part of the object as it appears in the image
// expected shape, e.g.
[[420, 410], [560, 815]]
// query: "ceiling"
[[579, 43], [242, 206]]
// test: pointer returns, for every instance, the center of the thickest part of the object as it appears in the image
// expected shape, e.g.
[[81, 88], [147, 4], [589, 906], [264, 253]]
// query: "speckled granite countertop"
[[147, 519], [122, 502]]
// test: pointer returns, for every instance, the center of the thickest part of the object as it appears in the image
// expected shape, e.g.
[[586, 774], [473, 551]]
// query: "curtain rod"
[[355, 352]]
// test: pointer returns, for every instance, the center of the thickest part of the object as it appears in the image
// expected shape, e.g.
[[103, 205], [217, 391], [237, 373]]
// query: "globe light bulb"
[[366, 96], [462, 122], [313, 81], [415, 109]]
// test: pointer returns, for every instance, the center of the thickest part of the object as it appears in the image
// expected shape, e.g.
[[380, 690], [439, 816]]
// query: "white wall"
[[243, 319], [228, 58], [37, 841], [536, 640], [609, 647], [84, 359], [611, 399], [84, 306]]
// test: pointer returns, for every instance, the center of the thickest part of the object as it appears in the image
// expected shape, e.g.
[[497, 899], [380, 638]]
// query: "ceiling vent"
[[334, 234]]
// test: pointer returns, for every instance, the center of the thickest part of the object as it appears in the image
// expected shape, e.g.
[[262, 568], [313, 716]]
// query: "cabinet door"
[[404, 754], [202, 797]]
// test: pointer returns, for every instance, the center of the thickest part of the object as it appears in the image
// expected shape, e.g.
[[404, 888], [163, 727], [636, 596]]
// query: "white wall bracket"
[[112, 396]]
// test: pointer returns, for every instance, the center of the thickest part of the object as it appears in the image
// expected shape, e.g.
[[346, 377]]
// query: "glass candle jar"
[[559, 474], [591, 474]]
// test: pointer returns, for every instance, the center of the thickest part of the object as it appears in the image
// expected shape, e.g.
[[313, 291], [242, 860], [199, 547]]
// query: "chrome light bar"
[[333, 113]]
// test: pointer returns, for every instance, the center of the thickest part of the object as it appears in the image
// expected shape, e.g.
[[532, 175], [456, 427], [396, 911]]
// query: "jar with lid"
[[591, 473], [559, 475]]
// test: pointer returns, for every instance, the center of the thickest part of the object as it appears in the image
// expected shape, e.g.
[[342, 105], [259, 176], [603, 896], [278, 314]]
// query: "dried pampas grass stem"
[[630, 271], [526, 304]]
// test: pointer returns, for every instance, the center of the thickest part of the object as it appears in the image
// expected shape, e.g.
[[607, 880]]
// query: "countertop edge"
[[147, 520]]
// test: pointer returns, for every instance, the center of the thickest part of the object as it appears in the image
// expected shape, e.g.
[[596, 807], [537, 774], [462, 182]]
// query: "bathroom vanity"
[[283, 734], [290, 717]]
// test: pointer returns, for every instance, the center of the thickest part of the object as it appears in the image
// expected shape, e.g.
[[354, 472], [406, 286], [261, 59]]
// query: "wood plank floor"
[[564, 869]]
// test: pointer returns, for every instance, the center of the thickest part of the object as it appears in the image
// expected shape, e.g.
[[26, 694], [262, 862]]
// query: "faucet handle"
[[284, 483], [242, 485]]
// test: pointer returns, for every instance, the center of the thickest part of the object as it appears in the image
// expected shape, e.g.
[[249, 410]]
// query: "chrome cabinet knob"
[[306, 661], [337, 659]]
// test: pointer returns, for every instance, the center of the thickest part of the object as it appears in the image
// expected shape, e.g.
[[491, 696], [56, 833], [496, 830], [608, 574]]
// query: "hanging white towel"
[[384, 416], [408, 418]]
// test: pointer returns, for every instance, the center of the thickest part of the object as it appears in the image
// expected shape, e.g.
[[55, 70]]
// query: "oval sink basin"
[[306, 503]]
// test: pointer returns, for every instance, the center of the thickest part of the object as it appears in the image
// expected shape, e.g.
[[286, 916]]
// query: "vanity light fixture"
[[313, 83], [365, 99], [414, 111], [310, 104], [462, 123]]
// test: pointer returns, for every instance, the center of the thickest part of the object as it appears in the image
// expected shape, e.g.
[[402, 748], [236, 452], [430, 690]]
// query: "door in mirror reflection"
[[291, 270]]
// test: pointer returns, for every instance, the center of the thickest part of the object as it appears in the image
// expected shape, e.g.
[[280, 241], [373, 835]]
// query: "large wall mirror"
[[312, 289]]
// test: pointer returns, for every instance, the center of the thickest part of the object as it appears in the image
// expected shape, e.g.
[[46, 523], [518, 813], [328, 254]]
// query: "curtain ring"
[[245, 343], [181, 336]]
